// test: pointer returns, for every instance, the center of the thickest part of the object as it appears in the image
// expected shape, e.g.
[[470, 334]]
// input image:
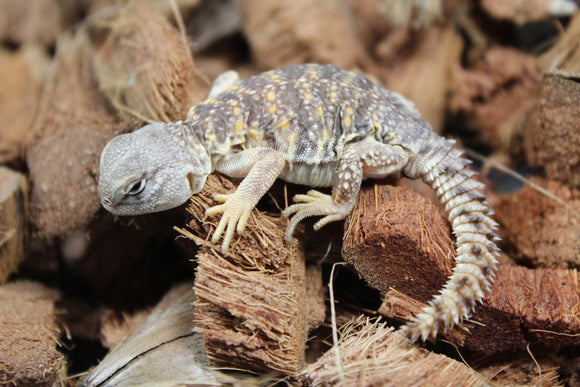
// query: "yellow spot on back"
[[375, 117], [272, 108], [237, 111], [333, 96], [239, 126], [320, 111], [283, 124], [254, 133], [348, 110], [324, 135], [211, 138], [312, 72], [347, 121], [271, 95], [307, 95]]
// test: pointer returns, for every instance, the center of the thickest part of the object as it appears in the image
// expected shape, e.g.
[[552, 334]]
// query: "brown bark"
[[13, 212], [396, 239], [29, 335], [250, 304]]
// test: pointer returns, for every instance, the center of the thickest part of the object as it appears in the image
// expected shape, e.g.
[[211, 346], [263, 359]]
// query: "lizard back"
[[308, 113]]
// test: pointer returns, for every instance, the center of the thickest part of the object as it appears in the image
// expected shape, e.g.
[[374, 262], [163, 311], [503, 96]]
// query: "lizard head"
[[152, 169]]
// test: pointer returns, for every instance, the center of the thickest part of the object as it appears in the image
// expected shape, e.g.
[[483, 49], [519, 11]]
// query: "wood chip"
[[13, 212], [29, 335], [372, 354], [250, 306]]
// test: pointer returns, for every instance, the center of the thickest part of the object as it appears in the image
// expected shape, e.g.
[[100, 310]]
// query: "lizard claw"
[[234, 219], [314, 203]]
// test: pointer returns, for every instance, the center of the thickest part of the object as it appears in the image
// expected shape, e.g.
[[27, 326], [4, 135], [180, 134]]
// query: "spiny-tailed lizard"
[[315, 125]]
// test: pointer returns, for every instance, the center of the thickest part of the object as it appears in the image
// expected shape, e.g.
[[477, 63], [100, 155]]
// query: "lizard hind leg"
[[360, 159]]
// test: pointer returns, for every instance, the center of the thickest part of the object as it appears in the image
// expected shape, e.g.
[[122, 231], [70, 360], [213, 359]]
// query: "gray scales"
[[316, 125]]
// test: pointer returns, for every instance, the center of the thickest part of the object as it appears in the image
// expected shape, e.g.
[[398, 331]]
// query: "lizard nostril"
[[107, 201]]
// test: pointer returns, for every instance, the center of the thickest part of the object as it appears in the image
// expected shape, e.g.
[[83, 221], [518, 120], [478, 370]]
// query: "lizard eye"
[[136, 187]]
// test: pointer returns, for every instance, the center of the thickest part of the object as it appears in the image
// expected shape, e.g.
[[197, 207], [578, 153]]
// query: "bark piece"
[[36, 21], [553, 142], [538, 231], [287, 32], [372, 354], [521, 370], [21, 76], [420, 67], [542, 305], [496, 93], [146, 69], [315, 292], [397, 239], [250, 304], [63, 152], [29, 335], [163, 350], [13, 212]]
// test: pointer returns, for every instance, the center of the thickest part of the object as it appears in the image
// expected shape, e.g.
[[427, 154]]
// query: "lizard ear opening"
[[190, 181]]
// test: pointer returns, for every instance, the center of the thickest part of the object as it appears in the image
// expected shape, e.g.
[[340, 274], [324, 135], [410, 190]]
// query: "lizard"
[[315, 125]]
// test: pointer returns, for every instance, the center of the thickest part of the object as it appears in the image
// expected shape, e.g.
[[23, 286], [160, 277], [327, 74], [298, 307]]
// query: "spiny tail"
[[445, 170]]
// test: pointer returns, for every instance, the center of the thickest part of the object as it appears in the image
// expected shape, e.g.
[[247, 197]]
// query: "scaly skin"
[[316, 125]]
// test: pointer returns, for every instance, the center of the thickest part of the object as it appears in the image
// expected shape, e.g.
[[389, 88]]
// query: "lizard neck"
[[199, 155]]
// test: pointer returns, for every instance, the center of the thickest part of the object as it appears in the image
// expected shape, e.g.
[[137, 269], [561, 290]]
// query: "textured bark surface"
[[303, 32], [250, 303], [539, 231], [29, 335], [379, 356], [13, 212], [554, 140], [400, 244]]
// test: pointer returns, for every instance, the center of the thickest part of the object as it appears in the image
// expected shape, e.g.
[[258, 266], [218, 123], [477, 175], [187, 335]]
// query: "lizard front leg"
[[361, 159], [261, 167]]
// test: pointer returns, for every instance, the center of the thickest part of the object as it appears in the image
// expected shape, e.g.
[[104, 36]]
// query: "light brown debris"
[[29, 335], [539, 231], [495, 95], [422, 67], [250, 306], [284, 32], [371, 354], [13, 212], [21, 76], [35, 21], [146, 68]]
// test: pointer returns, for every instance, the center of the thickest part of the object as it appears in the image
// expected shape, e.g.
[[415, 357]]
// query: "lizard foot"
[[235, 217], [314, 203]]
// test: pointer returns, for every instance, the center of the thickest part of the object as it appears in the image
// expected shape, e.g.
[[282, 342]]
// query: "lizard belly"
[[314, 175]]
